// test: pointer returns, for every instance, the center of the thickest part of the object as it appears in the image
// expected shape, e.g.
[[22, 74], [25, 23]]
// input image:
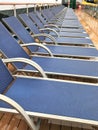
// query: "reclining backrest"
[[5, 77], [56, 10], [41, 18], [34, 18], [17, 27], [48, 13], [10, 47], [45, 15], [29, 23]]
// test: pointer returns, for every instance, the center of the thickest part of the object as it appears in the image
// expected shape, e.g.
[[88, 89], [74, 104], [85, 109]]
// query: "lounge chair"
[[52, 66], [69, 16], [13, 23], [57, 50], [34, 18], [34, 28], [46, 24], [51, 17], [58, 12], [66, 23], [50, 99]]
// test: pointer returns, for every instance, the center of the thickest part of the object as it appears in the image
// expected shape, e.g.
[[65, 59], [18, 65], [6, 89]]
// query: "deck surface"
[[90, 25], [15, 122]]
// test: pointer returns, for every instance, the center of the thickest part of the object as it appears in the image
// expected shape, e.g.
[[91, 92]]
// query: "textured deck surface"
[[15, 122], [90, 24]]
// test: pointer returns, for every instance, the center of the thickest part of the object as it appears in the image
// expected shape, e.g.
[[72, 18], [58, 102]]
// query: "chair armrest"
[[56, 20], [49, 29], [39, 45], [52, 25], [46, 35], [18, 108], [51, 22], [27, 61]]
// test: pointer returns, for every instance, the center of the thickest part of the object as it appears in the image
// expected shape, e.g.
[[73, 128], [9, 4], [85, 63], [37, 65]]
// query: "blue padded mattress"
[[56, 98], [74, 41], [67, 66], [71, 51]]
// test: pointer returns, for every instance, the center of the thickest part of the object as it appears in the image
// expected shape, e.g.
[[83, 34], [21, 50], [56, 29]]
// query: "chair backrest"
[[44, 15], [56, 10], [5, 77], [17, 27], [29, 23], [10, 47], [34, 18], [41, 18], [48, 13]]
